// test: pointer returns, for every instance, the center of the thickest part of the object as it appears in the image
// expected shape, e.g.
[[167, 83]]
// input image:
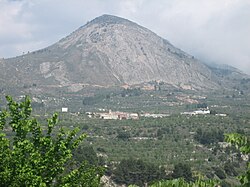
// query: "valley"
[[165, 140]]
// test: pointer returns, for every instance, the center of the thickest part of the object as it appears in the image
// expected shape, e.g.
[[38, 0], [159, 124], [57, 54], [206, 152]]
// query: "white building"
[[64, 109]]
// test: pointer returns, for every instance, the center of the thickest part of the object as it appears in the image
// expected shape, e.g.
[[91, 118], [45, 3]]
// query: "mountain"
[[107, 51]]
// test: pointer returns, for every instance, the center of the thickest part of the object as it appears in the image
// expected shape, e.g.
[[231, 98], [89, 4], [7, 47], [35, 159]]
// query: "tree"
[[85, 153], [229, 169], [123, 135], [201, 105], [213, 112], [219, 172], [207, 137], [242, 143], [138, 172], [38, 157], [182, 170]]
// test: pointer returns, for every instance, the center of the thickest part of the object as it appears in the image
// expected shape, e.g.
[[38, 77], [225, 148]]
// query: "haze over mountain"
[[109, 51]]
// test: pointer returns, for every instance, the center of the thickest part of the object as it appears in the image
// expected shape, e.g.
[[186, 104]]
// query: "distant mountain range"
[[111, 51]]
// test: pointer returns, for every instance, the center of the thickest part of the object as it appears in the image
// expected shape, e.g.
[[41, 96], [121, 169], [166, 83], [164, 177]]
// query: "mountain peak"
[[109, 19], [108, 51]]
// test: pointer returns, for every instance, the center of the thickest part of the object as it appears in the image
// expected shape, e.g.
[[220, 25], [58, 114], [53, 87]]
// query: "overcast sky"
[[212, 30]]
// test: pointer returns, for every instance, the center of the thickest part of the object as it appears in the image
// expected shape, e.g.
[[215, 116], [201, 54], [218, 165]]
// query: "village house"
[[65, 109]]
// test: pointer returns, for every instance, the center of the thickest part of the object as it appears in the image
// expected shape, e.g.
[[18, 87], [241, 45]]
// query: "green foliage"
[[131, 92], [93, 100], [38, 157], [213, 112], [243, 144], [85, 153], [208, 137], [219, 172], [202, 105], [145, 143], [229, 169], [123, 135], [182, 170], [89, 101], [240, 141], [135, 171], [182, 183], [85, 175]]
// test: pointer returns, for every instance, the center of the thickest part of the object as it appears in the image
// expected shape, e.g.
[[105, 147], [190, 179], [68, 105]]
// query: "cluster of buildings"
[[203, 111], [198, 112], [122, 115], [113, 115]]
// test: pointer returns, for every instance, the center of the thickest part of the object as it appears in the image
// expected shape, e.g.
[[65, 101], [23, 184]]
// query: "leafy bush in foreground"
[[36, 156]]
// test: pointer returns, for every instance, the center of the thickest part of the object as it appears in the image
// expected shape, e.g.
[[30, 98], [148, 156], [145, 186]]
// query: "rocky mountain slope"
[[107, 51]]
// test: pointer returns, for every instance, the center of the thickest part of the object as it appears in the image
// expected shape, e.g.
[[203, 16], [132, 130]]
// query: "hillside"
[[107, 51]]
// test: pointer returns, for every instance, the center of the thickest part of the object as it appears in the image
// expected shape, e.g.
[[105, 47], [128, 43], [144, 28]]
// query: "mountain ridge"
[[108, 51]]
